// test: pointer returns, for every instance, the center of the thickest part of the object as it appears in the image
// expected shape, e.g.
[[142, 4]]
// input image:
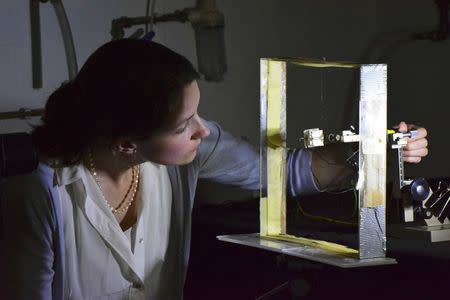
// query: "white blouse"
[[101, 261]]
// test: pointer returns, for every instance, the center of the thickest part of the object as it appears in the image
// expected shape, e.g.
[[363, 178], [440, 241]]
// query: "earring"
[[133, 157]]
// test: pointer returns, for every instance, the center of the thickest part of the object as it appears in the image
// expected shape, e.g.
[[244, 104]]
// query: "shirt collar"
[[68, 175]]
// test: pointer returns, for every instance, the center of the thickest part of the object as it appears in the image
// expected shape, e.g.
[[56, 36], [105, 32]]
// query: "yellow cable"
[[328, 246], [322, 218]]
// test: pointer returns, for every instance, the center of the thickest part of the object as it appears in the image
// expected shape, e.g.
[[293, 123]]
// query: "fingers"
[[414, 153], [402, 127], [412, 159], [415, 144], [416, 148], [421, 133]]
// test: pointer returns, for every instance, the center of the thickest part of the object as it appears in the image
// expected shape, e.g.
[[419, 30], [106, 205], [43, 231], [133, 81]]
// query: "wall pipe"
[[36, 50], [36, 53], [21, 113], [69, 47]]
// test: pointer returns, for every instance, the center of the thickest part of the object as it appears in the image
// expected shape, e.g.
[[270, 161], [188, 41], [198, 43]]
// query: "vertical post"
[[263, 147], [372, 161], [273, 147]]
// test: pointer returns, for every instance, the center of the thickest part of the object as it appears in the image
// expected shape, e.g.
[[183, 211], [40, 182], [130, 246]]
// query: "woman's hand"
[[416, 148]]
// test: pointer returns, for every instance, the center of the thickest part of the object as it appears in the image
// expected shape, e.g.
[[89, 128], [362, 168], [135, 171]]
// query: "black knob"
[[420, 189]]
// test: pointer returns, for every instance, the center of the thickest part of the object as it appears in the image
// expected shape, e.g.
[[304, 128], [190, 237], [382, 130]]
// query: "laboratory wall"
[[372, 31]]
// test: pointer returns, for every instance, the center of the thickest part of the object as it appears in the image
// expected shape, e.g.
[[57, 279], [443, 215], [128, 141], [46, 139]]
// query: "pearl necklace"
[[133, 187]]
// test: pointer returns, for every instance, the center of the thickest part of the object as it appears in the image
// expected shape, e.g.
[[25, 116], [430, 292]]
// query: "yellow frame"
[[273, 148]]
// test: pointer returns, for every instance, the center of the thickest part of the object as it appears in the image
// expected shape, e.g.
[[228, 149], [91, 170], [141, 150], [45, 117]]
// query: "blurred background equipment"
[[424, 209], [36, 54], [36, 51], [208, 24], [442, 32], [17, 154]]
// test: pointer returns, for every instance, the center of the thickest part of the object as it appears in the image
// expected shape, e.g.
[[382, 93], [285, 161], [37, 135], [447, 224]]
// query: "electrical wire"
[[328, 190], [355, 207], [340, 192], [323, 218], [150, 11], [322, 98], [348, 160], [147, 11], [325, 160]]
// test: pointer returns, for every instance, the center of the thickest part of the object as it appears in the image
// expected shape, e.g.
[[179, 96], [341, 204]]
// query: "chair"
[[17, 156]]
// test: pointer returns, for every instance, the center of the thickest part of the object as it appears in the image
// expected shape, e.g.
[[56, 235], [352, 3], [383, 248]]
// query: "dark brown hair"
[[126, 88]]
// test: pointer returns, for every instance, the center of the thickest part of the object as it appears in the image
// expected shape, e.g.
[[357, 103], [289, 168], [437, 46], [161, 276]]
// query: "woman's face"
[[177, 145]]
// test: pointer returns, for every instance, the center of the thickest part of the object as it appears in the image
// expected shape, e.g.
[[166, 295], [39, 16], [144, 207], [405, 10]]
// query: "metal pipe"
[[36, 49], [119, 24], [137, 34], [22, 113], [69, 47]]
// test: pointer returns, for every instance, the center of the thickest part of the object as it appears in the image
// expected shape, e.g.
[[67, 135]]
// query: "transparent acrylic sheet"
[[304, 251]]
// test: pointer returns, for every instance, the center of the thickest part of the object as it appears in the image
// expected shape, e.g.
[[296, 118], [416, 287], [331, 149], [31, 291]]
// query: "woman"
[[107, 214]]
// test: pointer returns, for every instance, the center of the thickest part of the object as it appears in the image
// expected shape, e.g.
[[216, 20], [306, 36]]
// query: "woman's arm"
[[226, 159], [229, 160], [29, 234]]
